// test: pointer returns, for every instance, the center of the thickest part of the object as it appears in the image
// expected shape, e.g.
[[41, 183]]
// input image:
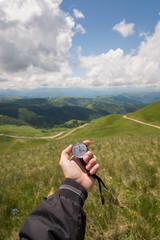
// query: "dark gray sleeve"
[[60, 216]]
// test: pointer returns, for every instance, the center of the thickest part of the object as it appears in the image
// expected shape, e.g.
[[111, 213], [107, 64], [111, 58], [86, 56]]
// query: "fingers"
[[94, 169], [91, 161], [87, 142], [89, 158]]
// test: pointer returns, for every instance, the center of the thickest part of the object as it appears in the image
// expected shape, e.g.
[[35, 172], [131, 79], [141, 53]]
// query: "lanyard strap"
[[100, 188], [99, 182]]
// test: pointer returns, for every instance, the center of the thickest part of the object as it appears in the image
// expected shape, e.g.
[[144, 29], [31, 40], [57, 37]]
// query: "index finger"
[[87, 142]]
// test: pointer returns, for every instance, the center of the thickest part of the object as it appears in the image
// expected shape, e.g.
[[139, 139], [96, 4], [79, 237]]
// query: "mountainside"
[[113, 125], [46, 113], [116, 125], [148, 114]]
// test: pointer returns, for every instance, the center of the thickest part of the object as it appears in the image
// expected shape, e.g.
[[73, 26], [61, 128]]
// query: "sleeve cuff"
[[73, 190]]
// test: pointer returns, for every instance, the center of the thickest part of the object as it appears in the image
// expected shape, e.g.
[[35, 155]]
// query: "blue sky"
[[79, 43], [101, 16]]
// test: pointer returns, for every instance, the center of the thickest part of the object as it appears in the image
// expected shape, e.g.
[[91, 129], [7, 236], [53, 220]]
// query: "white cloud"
[[79, 28], [125, 29], [114, 68], [77, 13], [143, 34], [35, 38]]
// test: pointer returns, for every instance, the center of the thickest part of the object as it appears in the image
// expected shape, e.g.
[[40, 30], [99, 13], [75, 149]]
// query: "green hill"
[[148, 114], [12, 121], [114, 125]]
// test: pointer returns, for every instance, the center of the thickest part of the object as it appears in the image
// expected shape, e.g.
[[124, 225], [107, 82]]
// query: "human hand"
[[73, 168]]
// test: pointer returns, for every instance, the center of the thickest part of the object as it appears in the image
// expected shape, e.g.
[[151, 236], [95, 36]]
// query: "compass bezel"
[[79, 149]]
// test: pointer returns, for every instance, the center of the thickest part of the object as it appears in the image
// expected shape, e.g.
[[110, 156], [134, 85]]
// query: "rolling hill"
[[148, 114], [46, 113], [111, 126]]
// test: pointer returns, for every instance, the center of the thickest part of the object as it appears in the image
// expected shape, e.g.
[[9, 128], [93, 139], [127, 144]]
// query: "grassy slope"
[[150, 114], [130, 167], [29, 131], [8, 144], [114, 125]]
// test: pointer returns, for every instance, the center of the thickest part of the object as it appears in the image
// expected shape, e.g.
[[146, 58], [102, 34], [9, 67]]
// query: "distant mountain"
[[148, 114], [55, 92], [46, 113], [145, 95]]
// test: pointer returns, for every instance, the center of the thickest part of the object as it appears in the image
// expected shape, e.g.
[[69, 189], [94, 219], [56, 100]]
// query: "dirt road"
[[73, 130], [148, 124], [49, 137]]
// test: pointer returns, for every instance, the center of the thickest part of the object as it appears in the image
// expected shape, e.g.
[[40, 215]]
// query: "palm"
[[73, 168], [76, 171]]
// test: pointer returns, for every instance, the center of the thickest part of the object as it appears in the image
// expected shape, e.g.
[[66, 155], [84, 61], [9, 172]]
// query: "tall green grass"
[[130, 167]]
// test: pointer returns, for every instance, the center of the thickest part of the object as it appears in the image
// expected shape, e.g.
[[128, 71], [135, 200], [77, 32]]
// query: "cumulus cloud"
[[125, 29], [77, 13], [114, 68], [35, 38]]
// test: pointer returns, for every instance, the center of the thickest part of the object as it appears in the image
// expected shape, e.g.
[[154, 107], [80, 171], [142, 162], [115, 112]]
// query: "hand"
[[72, 167]]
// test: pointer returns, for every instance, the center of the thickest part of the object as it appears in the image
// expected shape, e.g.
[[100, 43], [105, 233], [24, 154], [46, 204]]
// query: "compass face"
[[79, 149]]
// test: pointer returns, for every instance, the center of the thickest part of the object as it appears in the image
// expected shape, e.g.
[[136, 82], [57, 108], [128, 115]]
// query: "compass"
[[79, 149]]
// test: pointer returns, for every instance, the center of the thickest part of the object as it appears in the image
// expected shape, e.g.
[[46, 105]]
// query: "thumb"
[[66, 153]]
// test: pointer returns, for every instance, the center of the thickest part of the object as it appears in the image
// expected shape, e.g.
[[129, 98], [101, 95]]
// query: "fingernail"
[[92, 171], [88, 166]]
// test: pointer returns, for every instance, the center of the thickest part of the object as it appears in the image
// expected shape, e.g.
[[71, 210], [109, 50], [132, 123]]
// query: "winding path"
[[148, 124], [49, 137], [73, 130]]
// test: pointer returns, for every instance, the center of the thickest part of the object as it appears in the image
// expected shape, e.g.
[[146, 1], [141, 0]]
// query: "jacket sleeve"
[[60, 216]]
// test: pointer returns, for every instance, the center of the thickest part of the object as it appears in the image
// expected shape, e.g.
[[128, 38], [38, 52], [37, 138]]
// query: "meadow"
[[130, 167], [129, 158]]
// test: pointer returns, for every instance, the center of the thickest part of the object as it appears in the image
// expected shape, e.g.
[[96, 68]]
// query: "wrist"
[[87, 183]]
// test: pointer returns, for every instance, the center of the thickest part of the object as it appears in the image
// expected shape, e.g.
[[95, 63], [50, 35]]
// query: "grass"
[[128, 153], [149, 114], [114, 125], [130, 167], [28, 131], [8, 144]]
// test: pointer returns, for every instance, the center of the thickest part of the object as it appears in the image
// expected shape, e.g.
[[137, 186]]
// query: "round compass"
[[79, 149]]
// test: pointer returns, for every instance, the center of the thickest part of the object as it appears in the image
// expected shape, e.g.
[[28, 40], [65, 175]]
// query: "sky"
[[79, 44]]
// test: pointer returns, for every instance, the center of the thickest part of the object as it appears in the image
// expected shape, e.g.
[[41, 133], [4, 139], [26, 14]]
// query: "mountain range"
[[50, 112]]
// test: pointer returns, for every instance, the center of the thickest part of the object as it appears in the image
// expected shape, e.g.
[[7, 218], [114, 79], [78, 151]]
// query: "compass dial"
[[79, 149]]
